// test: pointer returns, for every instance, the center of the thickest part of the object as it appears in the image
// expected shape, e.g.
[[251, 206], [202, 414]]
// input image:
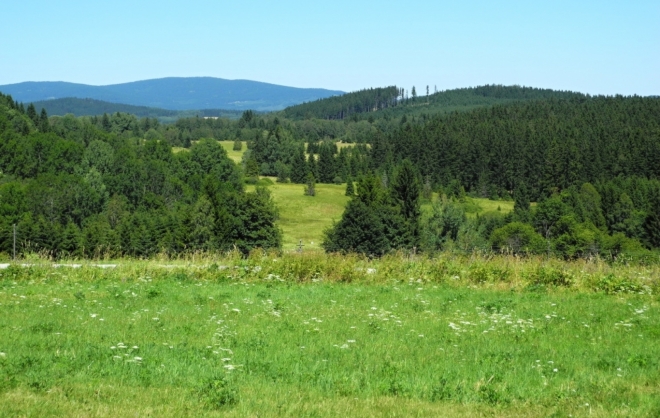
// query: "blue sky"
[[597, 47]]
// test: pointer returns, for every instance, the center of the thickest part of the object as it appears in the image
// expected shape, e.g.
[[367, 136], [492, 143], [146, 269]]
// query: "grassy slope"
[[414, 338], [234, 155], [305, 218]]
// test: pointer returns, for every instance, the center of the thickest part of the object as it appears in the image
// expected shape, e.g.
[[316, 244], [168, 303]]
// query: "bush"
[[546, 276], [443, 225], [611, 284], [518, 237], [310, 185], [218, 391]]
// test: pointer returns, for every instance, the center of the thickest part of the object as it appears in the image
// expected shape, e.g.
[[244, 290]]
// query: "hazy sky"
[[597, 47]]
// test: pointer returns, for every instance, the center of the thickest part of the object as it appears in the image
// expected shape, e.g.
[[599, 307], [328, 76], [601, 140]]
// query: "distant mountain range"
[[175, 93], [91, 107]]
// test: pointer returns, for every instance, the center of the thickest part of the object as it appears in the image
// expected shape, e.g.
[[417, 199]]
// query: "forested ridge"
[[394, 102], [547, 145], [591, 164], [92, 107], [340, 107]]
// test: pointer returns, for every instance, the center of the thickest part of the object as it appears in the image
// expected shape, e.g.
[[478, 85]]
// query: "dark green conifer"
[[299, 167], [326, 164], [350, 189], [312, 166], [32, 114], [44, 125], [310, 185]]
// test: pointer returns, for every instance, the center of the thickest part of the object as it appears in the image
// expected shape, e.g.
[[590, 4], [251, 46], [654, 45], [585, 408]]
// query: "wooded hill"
[[394, 102]]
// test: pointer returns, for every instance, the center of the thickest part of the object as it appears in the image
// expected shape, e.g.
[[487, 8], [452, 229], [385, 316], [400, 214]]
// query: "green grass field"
[[306, 217], [315, 335], [234, 155]]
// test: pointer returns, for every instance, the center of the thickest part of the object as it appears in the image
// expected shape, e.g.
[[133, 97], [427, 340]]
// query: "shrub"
[[547, 276], [218, 391], [611, 284], [518, 237]]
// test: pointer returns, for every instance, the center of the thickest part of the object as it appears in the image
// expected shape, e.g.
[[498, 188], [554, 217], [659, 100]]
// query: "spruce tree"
[[44, 125], [521, 205], [312, 166], [299, 167], [326, 164], [360, 230], [405, 193], [350, 190], [32, 114], [105, 123], [310, 185]]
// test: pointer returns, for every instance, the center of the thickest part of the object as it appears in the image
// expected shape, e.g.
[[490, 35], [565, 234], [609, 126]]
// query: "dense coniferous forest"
[[340, 107], [590, 164], [548, 145], [394, 102]]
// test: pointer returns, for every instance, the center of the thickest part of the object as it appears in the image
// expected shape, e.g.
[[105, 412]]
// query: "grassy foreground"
[[318, 335]]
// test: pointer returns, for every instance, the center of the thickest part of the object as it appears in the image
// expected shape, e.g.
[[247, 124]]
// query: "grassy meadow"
[[319, 335], [305, 218], [235, 156]]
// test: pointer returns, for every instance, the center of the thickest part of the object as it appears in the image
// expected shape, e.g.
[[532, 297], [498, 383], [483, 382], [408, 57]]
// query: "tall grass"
[[325, 335]]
